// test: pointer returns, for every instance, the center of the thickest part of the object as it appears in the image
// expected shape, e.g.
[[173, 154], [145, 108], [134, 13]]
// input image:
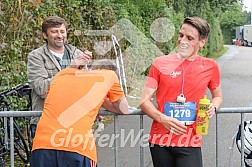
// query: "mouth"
[[183, 47], [59, 40]]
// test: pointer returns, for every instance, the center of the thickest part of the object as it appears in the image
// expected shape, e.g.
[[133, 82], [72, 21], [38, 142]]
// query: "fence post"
[[11, 142], [217, 145], [242, 139], [116, 140], [141, 139]]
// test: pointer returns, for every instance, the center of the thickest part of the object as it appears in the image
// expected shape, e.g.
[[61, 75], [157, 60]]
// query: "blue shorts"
[[59, 158]]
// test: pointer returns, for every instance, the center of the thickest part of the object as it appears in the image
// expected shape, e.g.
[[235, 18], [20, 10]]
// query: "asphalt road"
[[236, 80]]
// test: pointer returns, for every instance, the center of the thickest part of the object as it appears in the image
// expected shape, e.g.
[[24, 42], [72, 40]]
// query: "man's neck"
[[57, 50], [190, 58]]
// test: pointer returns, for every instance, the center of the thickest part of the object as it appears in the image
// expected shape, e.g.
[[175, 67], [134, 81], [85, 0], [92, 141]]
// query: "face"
[[56, 37], [189, 42]]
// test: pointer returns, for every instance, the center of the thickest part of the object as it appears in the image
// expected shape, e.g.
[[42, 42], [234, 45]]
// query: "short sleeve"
[[115, 91], [215, 80], [153, 76]]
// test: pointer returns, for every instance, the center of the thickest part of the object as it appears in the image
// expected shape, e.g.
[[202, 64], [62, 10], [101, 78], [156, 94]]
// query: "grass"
[[17, 162], [219, 53], [105, 120]]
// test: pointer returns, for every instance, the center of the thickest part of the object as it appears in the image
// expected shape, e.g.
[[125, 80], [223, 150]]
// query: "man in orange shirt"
[[64, 132]]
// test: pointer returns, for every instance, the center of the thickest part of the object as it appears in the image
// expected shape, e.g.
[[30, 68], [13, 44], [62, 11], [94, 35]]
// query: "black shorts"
[[176, 156], [58, 158]]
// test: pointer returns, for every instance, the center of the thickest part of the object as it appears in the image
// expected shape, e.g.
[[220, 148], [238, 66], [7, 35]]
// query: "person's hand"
[[99, 118], [211, 110], [81, 60], [100, 124], [173, 125]]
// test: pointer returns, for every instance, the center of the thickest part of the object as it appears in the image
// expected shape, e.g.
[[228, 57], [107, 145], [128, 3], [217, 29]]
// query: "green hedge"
[[20, 26]]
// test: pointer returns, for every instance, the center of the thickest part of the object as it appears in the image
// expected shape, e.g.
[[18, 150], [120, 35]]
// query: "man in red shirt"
[[180, 78]]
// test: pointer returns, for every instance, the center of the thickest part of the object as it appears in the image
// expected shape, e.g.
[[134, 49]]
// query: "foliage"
[[230, 19], [20, 27], [219, 53]]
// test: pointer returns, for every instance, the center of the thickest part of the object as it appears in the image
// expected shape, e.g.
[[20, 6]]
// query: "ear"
[[44, 35], [202, 42]]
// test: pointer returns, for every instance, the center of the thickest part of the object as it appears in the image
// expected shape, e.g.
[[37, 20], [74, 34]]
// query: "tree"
[[230, 19]]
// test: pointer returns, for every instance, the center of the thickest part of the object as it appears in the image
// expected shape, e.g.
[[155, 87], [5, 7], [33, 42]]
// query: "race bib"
[[184, 112]]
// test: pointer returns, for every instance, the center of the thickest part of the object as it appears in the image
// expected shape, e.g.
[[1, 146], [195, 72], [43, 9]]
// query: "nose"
[[182, 39], [60, 35]]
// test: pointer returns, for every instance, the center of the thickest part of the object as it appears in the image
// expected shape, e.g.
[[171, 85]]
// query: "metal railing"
[[12, 114], [241, 110]]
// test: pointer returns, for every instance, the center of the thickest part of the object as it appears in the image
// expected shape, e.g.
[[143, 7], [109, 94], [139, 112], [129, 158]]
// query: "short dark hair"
[[200, 24], [105, 64], [53, 21]]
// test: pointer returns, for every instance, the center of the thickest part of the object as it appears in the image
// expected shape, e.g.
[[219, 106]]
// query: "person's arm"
[[109, 106], [120, 106], [37, 74], [168, 122], [216, 101], [81, 59]]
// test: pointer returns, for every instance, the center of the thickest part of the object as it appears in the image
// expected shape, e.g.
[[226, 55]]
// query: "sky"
[[247, 3]]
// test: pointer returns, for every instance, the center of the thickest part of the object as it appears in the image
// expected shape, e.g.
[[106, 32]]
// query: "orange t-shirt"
[[71, 106]]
